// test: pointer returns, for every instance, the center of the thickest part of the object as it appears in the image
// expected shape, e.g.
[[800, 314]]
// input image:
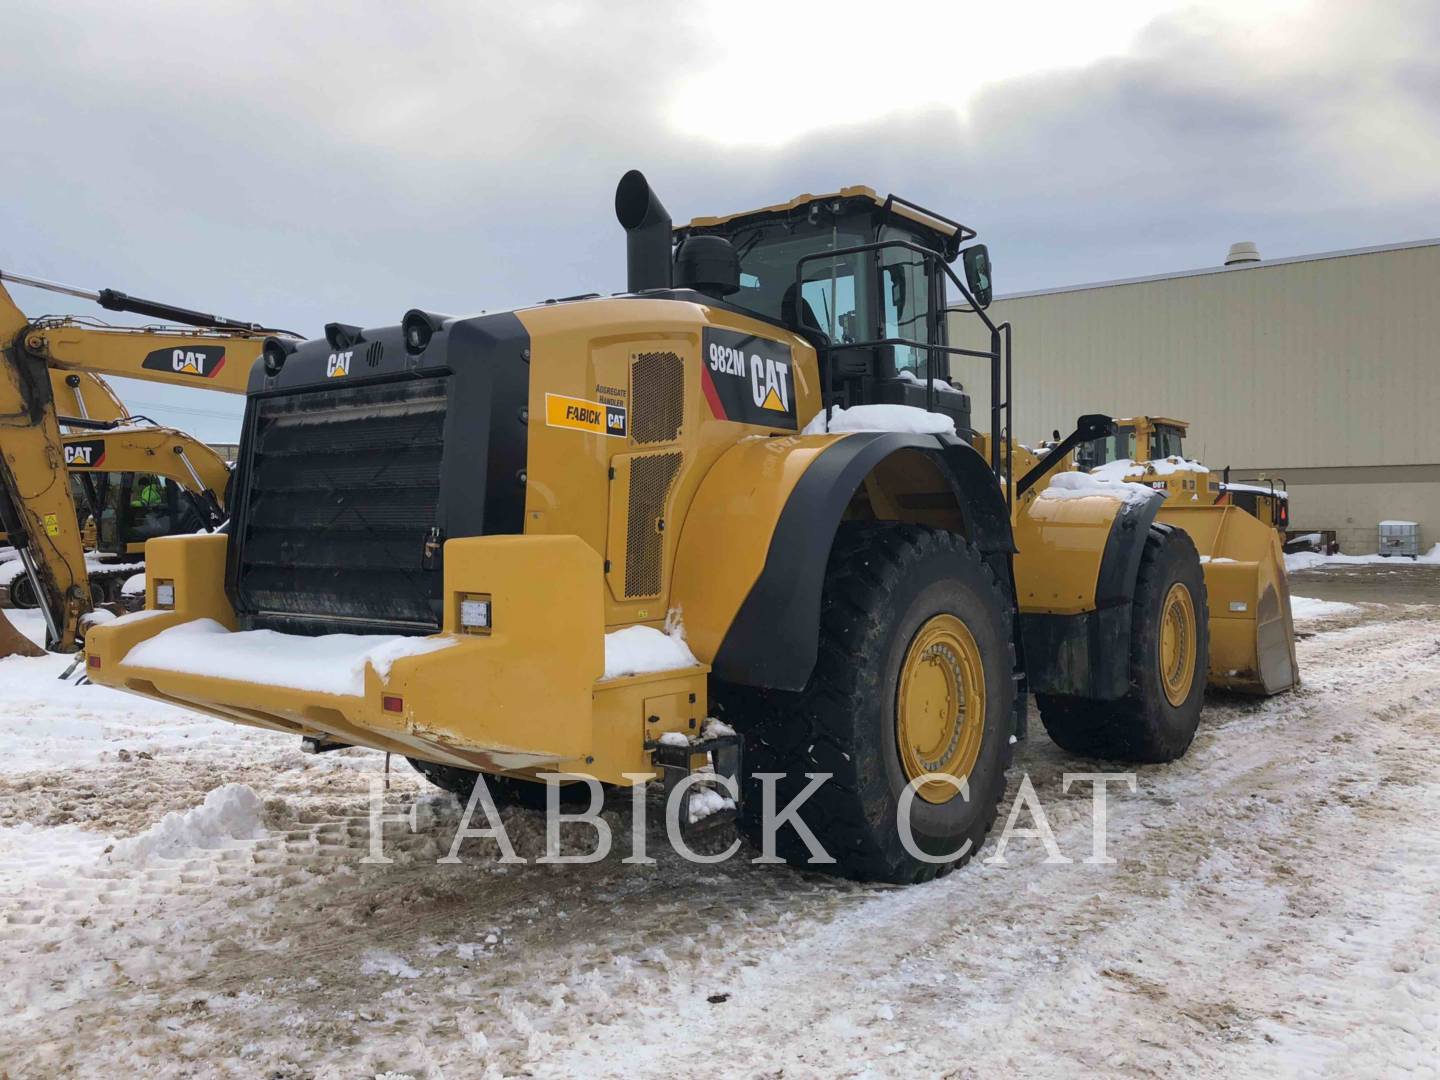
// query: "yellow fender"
[[751, 560]]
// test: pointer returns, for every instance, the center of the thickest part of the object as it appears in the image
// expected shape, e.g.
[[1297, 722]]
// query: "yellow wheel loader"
[[1239, 530], [1154, 445], [50, 378], [558, 539]]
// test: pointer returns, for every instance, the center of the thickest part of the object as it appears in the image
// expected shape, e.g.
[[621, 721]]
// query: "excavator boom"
[[37, 508]]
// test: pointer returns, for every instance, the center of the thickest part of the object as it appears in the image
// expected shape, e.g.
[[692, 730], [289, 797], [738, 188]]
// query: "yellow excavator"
[[131, 482], [558, 539], [47, 369]]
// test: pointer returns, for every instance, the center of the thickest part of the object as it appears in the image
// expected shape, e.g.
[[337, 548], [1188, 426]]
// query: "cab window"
[[1165, 442], [1121, 445], [905, 299], [768, 256]]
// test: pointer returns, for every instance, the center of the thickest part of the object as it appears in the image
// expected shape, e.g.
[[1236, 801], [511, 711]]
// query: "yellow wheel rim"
[[1177, 644], [940, 706]]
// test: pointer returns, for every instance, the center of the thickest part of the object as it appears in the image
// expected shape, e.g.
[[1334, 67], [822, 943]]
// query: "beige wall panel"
[[1320, 362]]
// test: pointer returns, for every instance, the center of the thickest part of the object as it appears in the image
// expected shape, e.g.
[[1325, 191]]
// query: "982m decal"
[[747, 379]]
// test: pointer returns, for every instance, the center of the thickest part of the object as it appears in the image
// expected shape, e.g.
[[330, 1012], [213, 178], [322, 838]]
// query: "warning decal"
[[582, 415], [748, 379]]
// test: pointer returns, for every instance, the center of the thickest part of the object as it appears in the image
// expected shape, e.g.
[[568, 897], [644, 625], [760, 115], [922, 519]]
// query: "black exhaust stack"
[[647, 234]]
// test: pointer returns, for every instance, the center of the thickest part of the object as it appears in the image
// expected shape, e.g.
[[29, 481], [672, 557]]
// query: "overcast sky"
[[300, 163]]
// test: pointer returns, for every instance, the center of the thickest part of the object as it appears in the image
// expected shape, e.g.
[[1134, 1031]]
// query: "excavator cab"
[[131, 508]]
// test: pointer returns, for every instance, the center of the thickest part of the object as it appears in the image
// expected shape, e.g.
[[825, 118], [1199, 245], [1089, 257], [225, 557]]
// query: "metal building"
[[1321, 369]]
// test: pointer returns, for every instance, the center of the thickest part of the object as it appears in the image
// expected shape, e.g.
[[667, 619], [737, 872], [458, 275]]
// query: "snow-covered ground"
[[1311, 560], [1272, 910]]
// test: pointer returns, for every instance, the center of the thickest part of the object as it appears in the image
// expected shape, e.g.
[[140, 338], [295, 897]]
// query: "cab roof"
[[949, 234], [1135, 421]]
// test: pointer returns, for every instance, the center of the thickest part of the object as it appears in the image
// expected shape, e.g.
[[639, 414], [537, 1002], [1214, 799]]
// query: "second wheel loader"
[[478, 542]]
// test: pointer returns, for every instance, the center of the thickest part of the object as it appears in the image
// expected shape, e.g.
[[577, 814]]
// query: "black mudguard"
[[1088, 655], [774, 638]]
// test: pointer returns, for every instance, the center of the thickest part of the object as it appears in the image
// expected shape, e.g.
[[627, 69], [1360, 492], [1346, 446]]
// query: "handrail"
[[999, 353]]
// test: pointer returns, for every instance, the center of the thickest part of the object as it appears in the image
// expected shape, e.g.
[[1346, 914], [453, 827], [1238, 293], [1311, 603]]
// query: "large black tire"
[[505, 790], [1143, 726], [883, 584]]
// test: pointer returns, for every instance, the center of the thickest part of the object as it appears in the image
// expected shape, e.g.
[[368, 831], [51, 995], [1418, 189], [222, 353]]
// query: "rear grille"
[[650, 480], [344, 488], [657, 397]]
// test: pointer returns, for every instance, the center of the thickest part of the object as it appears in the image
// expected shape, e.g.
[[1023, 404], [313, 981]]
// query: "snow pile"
[[1258, 489], [134, 585], [1124, 468], [1309, 560], [941, 386], [705, 801], [329, 664], [1307, 607], [639, 650], [880, 418], [1079, 485], [97, 617], [376, 962], [228, 813]]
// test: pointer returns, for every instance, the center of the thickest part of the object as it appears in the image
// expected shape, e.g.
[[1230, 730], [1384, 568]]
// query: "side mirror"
[[976, 261]]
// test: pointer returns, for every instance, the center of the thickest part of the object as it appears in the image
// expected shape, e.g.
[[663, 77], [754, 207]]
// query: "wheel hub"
[[1177, 644], [940, 706]]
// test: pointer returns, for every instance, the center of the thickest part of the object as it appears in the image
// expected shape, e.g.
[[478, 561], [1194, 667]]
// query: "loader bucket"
[[1252, 631], [14, 643]]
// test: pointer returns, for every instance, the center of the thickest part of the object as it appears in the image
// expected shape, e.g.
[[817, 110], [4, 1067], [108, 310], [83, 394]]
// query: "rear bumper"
[[524, 696]]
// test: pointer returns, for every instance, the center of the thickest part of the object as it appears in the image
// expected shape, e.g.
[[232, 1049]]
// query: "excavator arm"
[[85, 395], [37, 509], [99, 447]]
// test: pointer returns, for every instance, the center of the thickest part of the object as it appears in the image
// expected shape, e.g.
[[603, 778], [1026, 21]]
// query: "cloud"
[[351, 160]]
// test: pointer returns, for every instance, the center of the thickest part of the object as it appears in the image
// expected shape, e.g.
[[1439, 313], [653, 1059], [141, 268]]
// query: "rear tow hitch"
[[710, 803]]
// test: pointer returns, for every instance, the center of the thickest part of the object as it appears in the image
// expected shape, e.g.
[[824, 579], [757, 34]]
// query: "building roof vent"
[[1242, 251]]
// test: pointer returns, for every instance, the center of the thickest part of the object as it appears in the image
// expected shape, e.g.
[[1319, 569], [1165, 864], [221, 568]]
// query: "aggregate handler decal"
[[582, 415], [748, 379], [202, 361], [89, 454]]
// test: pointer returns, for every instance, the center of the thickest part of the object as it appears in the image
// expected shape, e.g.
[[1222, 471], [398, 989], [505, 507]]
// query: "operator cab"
[[131, 508], [1141, 438], [863, 278]]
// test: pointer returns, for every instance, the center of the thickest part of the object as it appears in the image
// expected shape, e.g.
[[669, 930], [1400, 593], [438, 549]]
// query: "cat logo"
[[338, 365], [197, 361], [747, 379], [89, 454], [770, 384]]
